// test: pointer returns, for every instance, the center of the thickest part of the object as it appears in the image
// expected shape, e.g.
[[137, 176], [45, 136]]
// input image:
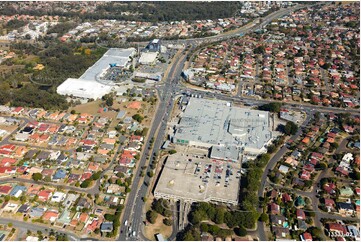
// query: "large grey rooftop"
[[113, 56], [192, 181], [215, 122]]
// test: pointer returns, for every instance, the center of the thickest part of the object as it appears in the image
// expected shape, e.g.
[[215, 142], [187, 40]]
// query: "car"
[[134, 234], [126, 222]]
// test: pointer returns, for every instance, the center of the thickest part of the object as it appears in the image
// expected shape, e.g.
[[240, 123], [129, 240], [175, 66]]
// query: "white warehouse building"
[[87, 86]]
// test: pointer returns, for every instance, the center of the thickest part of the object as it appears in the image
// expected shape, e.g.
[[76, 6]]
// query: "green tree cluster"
[[151, 216], [137, 117], [290, 128], [271, 107]]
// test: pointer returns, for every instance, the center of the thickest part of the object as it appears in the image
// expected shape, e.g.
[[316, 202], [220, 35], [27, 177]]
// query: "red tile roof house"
[[5, 189], [317, 156], [44, 195], [17, 110], [335, 227], [8, 170], [305, 175], [7, 161], [50, 215], [300, 214], [330, 188], [95, 223], [43, 127], [7, 150], [330, 204], [286, 198], [86, 175], [274, 208], [306, 237]]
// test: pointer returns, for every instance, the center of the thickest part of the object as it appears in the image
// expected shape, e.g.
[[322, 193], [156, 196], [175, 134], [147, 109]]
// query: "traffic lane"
[[133, 193]]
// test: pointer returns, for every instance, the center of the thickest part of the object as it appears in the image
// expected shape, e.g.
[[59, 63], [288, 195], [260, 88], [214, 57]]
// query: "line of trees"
[[143, 11]]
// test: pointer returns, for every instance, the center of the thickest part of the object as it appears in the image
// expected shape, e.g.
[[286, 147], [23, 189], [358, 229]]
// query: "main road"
[[133, 213]]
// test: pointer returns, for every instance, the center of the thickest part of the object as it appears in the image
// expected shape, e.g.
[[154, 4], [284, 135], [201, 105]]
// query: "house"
[[6, 162], [283, 169], [336, 227], [58, 197], [5, 189], [85, 175], [37, 212], [329, 204], [64, 218], [93, 225], [59, 174], [346, 192], [106, 227], [278, 219], [54, 155], [70, 199], [305, 175], [274, 208], [51, 215], [330, 188], [48, 172], [306, 237], [9, 207], [300, 214], [300, 202], [286, 198], [24, 208], [83, 217], [354, 231], [280, 232], [17, 191], [44, 195], [73, 178], [345, 208], [43, 155], [301, 224], [82, 203]]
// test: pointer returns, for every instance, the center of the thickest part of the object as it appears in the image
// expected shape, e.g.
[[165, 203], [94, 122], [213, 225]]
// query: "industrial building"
[[148, 58], [154, 46], [96, 82], [199, 180], [228, 130]]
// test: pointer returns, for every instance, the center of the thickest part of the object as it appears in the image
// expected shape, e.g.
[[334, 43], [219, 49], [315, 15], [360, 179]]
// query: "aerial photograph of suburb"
[[179, 120]]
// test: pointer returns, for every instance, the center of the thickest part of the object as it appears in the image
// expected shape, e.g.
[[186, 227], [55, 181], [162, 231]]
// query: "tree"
[[85, 183], [290, 128], [37, 176], [167, 221], [109, 217], [263, 217], [219, 217], [109, 101], [240, 231], [172, 152], [96, 175], [271, 107], [151, 216], [137, 117]]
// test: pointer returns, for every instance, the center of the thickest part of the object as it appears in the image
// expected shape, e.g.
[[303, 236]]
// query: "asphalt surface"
[[273, 161], [134, 214], [36, 227]]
